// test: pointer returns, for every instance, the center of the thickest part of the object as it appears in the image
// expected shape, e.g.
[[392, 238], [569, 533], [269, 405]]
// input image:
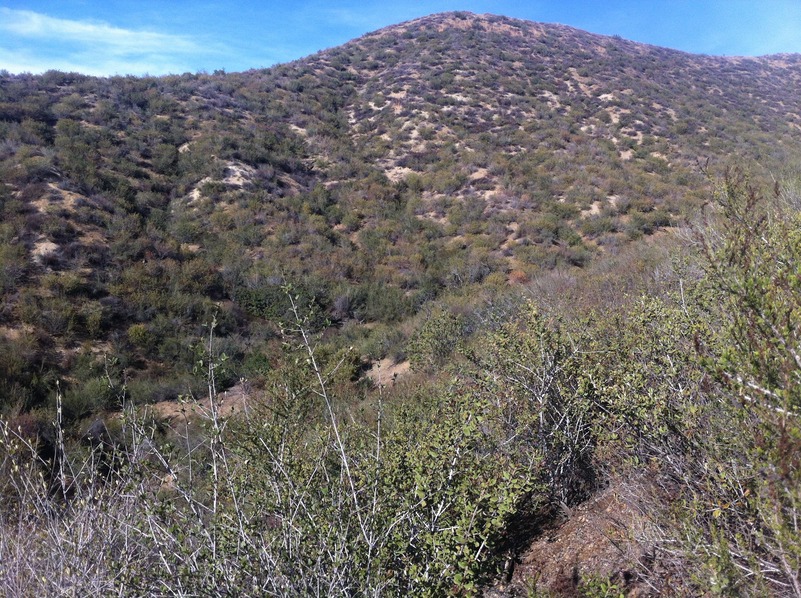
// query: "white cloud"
[[26, 23], [91, 47]]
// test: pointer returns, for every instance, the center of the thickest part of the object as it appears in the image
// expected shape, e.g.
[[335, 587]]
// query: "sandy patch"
[[511, 237], [238, 174], [386, 372], [233, 401], [11, 334], [55, 196], [459, 97], [615, 112], [479, 174], [397, 173], [43, 248], [433, 217], [581, 81], [593, 210], [552, 99]]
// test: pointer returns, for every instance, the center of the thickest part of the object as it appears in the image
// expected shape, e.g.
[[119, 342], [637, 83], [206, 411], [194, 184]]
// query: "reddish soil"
[[603, 539]]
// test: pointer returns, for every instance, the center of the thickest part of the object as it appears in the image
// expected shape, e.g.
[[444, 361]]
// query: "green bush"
[[440, 334], [748, 542], [88, 398]]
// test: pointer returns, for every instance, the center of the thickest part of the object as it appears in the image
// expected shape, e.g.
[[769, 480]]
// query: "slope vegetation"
[[412, 163], [464, 279]]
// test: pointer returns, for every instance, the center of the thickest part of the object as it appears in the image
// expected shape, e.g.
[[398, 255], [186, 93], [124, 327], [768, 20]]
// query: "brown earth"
[[603, 540], [235, 400]]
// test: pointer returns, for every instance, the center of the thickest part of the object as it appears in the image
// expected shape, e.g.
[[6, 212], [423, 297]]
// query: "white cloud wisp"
[[90, 47]]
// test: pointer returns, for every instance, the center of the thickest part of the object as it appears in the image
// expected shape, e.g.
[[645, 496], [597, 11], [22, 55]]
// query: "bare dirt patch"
[[615, 112], [43, 248], [238, 174], [386, 372], [11, 334], [236, 400], [602, 538], [512, 231], [593, 210], [398, 173], [582, 82], [55, 196], [479, 174], [553, 100]]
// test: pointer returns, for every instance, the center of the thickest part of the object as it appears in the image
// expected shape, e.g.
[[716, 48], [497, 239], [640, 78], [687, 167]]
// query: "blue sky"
[[177, 36]]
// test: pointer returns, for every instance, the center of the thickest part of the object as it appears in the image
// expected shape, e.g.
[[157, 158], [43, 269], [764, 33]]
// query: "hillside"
[[495, 210], [411, 163]]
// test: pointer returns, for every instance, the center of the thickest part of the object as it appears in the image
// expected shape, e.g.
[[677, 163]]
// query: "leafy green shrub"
[[385, 341], [377, 302], [140, 336], [596, 226], [534, 377], [749, 541], [87, 398], [274, 302], [436, 340]]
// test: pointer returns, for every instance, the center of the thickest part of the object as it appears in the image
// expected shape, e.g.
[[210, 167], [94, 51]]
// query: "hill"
[[489, 204], [410, 163]]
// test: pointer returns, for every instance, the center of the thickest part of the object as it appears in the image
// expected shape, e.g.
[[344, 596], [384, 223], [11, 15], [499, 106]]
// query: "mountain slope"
[[430, 159]]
